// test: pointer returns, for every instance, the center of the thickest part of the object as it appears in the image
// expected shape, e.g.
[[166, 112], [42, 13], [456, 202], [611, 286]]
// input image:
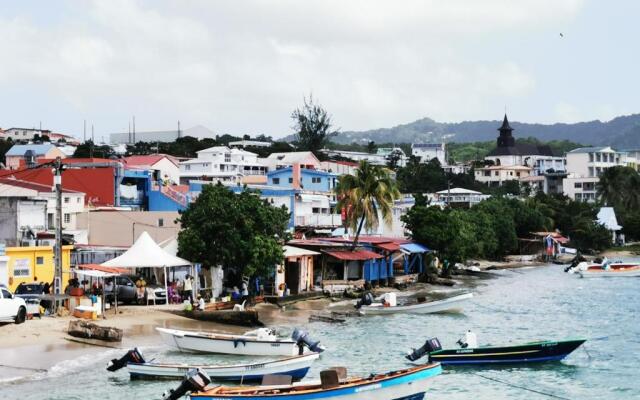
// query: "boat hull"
[[526, 353], [196, 342], [407, 386], [431, 307], [616, 269], [296, 367]]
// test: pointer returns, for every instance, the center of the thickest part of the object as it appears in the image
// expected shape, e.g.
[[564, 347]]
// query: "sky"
[[242, 67]]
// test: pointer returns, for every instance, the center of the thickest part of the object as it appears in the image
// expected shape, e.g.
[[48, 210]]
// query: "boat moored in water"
[[602, 270], [407, 384], [428, 307], [523, 353], [260, 342], [296, 367]]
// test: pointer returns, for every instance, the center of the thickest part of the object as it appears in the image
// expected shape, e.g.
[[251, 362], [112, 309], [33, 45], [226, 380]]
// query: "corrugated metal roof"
[[38, 149], [388, 246], [414, 248], [356, 255]]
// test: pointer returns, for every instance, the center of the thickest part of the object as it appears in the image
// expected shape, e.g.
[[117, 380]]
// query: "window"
[[161, 222], [6, 294], [517, 173], [187, 167], [316, 180], [598, 157], [496, 173], [39, 260], [315, 210], [276, 181], [487, 173], [591, 173], [67, 218], [290, 180], [577, 185], [227, 157], [590, 157], [578, 196], [66, 199], [78, 200]]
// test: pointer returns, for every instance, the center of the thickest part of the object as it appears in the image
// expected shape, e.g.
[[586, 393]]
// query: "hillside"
[[621, 132]]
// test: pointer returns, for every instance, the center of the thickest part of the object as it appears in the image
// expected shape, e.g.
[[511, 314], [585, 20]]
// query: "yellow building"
[[28, 264]]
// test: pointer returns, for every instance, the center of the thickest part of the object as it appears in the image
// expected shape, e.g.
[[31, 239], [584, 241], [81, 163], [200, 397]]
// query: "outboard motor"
[[132, 356], [430, 346], [365, 300], [302, 339], [195, 380]]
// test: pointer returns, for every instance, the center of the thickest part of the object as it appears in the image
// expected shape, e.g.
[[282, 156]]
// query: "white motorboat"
[[260, 342], [295, 367], [427, 307]]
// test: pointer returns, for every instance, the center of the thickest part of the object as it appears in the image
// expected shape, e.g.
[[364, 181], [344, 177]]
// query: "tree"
[[619, 187], [393, 159], [240, 232], [371, 147], [363, 195], [312, 126], [88, 150]]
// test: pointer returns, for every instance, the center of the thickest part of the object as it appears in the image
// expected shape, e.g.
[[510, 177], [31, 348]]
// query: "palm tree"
[[620, 187], [363, 194]]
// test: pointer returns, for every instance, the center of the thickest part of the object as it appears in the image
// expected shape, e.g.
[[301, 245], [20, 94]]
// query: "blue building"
[[310, 179]]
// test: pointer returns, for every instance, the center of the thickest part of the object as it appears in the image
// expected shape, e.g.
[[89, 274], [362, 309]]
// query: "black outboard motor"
[[365, 300], [195, 380], [430, 345], [302, 339], [133, 356]]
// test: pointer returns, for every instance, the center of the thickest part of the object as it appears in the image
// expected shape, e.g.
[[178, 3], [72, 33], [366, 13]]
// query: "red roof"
[[32, 186], [388, 246], [148, 160], [357, 255], [369, 239]]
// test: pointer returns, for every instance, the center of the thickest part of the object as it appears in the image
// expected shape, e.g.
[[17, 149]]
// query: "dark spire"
[[506, 139]]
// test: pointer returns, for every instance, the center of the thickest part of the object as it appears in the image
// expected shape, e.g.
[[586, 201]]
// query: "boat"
[[406, 384], [617, 268], [523, 353], [427, 307], [247, 318], [260, 342], [296, 367]]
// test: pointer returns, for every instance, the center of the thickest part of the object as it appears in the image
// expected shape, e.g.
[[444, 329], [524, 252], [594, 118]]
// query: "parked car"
[[32, 293], [128, 293], [12, 308]]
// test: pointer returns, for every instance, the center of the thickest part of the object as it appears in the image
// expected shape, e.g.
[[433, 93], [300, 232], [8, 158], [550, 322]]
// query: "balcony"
[[332, 220]]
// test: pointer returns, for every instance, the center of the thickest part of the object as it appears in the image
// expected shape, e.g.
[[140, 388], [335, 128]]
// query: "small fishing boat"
[[617, 268], [295, 367], [247, 318], [407, 384], [428, 307], [260, 342], [524, 353]]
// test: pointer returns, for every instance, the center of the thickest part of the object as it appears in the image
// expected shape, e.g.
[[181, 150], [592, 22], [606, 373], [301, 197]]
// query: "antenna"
[[134, 129], [129, 141], [178, 129], [84, 130]]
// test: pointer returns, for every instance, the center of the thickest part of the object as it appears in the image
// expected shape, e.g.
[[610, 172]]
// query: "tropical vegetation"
[[364, 195]]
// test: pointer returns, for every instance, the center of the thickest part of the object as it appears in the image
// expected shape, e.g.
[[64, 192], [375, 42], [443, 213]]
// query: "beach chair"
[[151, 296]]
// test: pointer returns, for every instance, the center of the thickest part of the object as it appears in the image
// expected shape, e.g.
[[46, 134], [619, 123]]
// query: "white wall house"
[[221, 164], [584, 166], [306, 159], [165, 167], [429, 151], [496, 175]]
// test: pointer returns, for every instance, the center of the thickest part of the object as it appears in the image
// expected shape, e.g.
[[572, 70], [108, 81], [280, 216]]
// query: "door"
[[292, 276]]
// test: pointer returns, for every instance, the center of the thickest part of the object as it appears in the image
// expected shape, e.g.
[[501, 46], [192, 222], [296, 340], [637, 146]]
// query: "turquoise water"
[[520, 306]]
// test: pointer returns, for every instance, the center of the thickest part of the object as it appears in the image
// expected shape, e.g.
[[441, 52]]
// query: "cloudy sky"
[[242, 66]]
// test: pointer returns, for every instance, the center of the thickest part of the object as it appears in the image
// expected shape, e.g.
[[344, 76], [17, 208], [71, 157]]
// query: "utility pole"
[[92, 143], [57, 182], [134, 129], [178, 129], [84, 131]]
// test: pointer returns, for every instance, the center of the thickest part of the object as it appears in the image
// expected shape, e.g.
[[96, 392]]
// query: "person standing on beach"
[[188, 288]]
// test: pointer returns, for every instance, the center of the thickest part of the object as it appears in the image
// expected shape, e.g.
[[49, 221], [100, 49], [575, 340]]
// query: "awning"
[[388, 246], [98, 267], [290, 251], [357, 255], [414, 248], [93, 273]]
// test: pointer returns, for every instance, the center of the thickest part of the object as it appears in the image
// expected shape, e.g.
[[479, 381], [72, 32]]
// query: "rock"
[[88, 330]]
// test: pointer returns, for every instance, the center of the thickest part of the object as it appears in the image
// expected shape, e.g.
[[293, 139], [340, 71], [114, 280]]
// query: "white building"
[[164, 166], [72, 201], [429, 151], [23, 133], [198, 132], [249, 143], [584, 166], [381, 157], [460, 197], [496, 175], [21, 219], [221, 164]]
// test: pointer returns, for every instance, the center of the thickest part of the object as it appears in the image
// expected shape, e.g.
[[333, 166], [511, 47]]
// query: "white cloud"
[[241, 67]]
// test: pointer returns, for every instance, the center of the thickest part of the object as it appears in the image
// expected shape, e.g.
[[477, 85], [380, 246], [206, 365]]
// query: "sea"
[[519, 305]]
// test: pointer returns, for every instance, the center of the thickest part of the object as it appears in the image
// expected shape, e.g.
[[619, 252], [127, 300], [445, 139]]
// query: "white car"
[[12, 308]]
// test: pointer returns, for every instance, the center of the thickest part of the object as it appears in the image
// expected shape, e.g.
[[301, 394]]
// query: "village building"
[[430, 151], [584, 166], [306, 160], [222, 164], [21, 155], [460, 197]]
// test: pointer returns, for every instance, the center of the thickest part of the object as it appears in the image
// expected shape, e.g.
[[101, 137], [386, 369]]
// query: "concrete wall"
[[121, 228]]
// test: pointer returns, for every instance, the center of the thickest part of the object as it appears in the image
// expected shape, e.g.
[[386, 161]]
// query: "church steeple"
[[506, 139]]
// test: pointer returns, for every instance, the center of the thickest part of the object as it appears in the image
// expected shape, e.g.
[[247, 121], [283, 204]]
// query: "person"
[[606, 263], [201, 304], [245, 291], [188, 288], [140, 288]]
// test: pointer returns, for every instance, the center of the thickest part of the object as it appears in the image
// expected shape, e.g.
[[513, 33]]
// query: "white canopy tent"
[[146, 253]]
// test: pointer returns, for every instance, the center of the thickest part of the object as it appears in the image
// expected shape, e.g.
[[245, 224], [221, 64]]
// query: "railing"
[[174, 195], [319, 220]]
